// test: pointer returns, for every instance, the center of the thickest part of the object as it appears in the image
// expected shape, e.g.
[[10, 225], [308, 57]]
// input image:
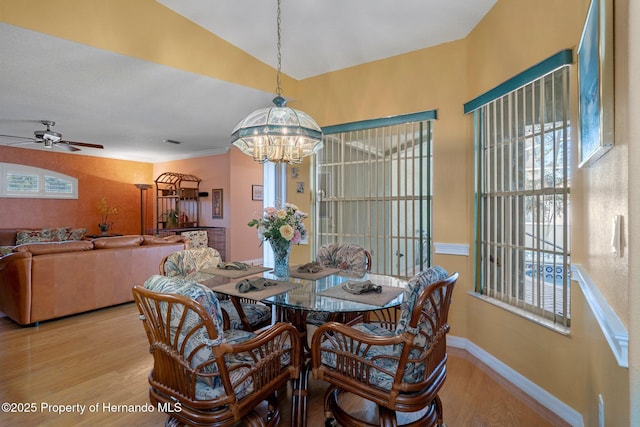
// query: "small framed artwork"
[[299, 187], [257, 192], [595, 83], [216, 203]]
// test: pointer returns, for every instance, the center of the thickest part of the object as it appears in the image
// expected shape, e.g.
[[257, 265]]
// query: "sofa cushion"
[[41, 235], [155, 240], [77, 234], [49, 234], [44, 248], [117, 242]]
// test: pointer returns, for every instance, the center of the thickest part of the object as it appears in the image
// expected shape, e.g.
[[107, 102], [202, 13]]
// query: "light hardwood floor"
[[99, 362]]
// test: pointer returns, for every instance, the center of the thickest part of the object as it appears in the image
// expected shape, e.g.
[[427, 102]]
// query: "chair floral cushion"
[[349, 257], [414, 287], [346, 256], [257, 314], [189, 261], [197, 292], [209, 387], [197, 239], [383, 358]]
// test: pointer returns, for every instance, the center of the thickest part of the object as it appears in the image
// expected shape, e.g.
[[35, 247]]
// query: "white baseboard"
[[546, 399]]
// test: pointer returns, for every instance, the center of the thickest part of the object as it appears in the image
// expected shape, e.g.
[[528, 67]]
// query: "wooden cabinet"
[[177, 201]]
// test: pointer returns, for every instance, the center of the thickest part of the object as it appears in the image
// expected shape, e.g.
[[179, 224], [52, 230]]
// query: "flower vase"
[[103, 228], [281, 251]]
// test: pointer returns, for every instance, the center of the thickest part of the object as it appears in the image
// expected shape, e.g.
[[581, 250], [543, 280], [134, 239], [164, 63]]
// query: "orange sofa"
[[43, 281]]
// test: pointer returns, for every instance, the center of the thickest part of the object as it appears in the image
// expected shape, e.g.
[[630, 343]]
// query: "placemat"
[[269, 291], [234, 274], [372, 298], [326, 271]]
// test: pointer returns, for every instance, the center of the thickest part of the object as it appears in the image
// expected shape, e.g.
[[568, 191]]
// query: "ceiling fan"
[[52, 139]]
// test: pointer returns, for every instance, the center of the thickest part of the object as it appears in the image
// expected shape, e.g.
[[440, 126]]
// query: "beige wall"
[[514, 36], [632, 113]]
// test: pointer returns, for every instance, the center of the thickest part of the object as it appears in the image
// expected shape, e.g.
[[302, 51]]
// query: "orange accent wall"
[[97, 177]]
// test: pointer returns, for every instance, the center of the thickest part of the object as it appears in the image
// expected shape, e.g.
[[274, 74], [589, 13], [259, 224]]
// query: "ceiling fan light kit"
[[51, 139], [278, 134]]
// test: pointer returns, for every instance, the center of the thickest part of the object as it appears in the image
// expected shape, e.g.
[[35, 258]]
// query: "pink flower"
[[297, 236]]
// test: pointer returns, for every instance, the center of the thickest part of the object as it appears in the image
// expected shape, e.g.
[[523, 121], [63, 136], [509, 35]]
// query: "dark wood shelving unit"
[[177, 201]]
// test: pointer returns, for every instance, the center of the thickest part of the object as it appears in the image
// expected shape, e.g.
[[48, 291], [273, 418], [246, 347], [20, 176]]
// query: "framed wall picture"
[[216, 203], [257, 192], [595, 83]]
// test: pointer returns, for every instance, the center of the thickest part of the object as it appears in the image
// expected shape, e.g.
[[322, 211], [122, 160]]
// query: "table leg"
[[300, 395], [300, 392]]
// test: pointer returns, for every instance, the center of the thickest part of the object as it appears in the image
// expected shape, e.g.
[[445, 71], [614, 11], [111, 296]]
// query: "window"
[[523, 187], [373, 188], [26, 181]]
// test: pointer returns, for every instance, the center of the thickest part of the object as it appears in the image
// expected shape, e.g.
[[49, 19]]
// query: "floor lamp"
[[143, 205]]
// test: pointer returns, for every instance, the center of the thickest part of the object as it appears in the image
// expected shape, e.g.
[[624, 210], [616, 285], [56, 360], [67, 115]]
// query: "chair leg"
[[327, 405], [172, 422], [387, 417], [439, 418]]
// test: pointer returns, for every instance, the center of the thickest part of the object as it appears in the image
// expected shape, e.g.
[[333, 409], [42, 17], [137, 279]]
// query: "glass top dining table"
[[311, 295], [297, 297]]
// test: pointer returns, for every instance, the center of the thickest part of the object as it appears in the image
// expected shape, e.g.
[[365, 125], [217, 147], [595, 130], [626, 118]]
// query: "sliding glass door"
[[373, 188]]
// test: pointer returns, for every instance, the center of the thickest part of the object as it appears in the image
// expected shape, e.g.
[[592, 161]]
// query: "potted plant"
[[171, 218], [105, 210]]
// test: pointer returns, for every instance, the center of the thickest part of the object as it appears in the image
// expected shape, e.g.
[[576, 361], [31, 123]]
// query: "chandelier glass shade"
[[279, 133]]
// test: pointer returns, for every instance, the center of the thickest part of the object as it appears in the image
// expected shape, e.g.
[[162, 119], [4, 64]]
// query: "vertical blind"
[[374, 189], [523, 197]]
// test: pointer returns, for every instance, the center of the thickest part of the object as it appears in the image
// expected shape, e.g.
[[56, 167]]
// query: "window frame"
[[41, 176], [500, 290]]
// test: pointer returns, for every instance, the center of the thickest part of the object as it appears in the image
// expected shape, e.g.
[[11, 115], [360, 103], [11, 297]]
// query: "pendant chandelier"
[[278, 134]]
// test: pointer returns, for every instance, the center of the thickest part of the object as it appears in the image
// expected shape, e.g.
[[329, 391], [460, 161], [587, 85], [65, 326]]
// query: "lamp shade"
[[277, 134]]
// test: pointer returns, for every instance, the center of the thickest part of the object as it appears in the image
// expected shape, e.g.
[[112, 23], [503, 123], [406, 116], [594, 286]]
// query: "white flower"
[[286, 231]]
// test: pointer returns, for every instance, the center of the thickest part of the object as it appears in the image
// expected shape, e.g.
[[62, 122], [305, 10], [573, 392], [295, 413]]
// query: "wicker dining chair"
[[399, 367], [204, 375], [353, 260], [188, 263]]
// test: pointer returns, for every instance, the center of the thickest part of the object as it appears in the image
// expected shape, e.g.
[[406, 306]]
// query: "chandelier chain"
[[279, 57]]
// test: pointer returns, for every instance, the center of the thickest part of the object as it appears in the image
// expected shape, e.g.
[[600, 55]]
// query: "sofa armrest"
[[15, 286]]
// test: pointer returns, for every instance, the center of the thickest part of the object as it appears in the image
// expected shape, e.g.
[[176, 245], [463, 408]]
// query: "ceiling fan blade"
[[82, 144], [65, 146], [20, 138]]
